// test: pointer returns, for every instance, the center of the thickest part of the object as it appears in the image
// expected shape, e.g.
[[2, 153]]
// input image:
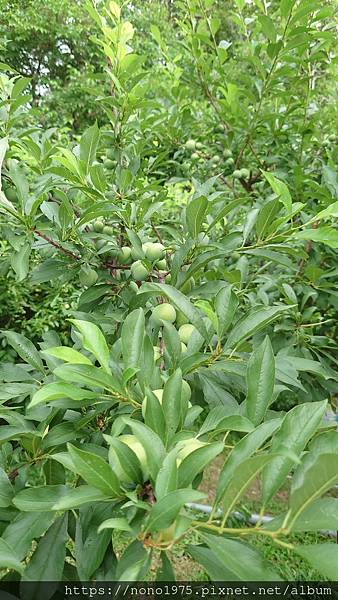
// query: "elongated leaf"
[[151, 442], [260, 382], [322, 557], [281, 189], [25, 348], [195, 215], [251, 567], [47, 562], [166, 480], [40, 498], [20, 261], [298, 426], [8, 558], [94, 341], [243, 449], [172, 403], [318, 475], [57, 390], [320, 514], [6, 490], [127, 459], [91, 376], [164, 512], [324, 235], [132, 336], [226, 303], [3, 150], [196, 461], [26, 527], [95, 471], [88, 145], [121, 524], [69, 355], [243, 474], [253, 322], [77, 497]]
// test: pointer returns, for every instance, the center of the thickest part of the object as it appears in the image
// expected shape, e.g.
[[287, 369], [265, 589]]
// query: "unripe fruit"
[[199, 145], [157, 353], [98, 226], [164, 312], [124, 254], [216, 159], [133, 286], [133, 443], [138, 271], [237, 174], [109, 164], [185, 332], [227, 153], [88, 276], [229, 162], [190, 144], [108, 230], [154, 251], [245, 173], [183, 348], [161, 265], [332, 137], [195, 156], [11, 194]]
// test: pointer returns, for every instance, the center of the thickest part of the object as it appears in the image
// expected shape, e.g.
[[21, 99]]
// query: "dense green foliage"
[[171, 251]]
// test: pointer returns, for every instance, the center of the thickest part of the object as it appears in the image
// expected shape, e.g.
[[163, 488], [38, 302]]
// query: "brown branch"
[[57, 245]]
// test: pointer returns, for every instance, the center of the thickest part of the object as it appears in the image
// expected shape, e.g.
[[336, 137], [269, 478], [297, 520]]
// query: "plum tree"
[[139, 271], [164, 312], [135, 445], [185, 332]]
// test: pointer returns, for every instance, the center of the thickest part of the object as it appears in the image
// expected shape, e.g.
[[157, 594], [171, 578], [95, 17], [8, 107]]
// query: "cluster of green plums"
[[141, 261], [200, 154]]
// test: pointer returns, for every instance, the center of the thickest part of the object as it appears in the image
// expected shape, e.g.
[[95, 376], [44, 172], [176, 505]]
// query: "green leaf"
[[298, 426], [88, 146], [260, 377], [164, 512], [47, 562], [8, 558], [195, 214], [172, 402], [95, 471], [20, 261], [172, 342], [151, 442], [251, 566], [68, 355], [324, 235], [90, 376], [25, 528], [182, 303], [253, 322], [153, 415], [3, 150], [94, 341], [196, 461], [243, 474], [165, 572], [322, 557], [243, 449], [25, 348], [314, 478], [39, 498], [121, 524], [128, 459], [55, 391], [226, 303], [320, 514], [77, 497], [166, 480], [267, 217], [132, 337], [269, 31], [6, 490]]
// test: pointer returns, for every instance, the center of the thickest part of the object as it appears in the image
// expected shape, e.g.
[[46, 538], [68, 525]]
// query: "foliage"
[[198, 221]]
